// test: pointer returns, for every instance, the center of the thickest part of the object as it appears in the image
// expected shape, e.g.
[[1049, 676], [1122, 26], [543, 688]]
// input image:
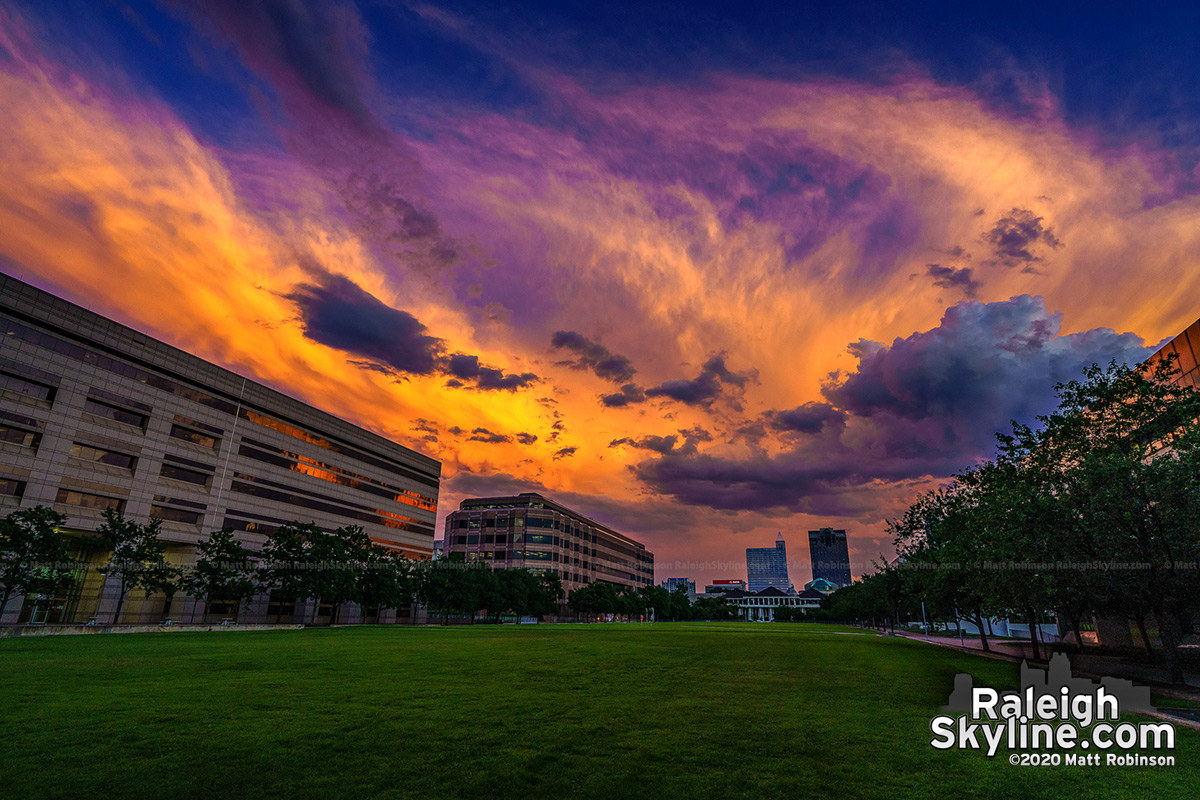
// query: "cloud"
[[565, 452], [488, 437], [594, 356], [809, 418], [954, 278], [630, 394], [338, 313], [926, 405], [1016, 236], [703, 389], [526, 438], [467, 367]]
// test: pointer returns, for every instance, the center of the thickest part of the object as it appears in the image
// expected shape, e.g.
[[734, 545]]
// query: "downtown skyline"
[[698, 280]]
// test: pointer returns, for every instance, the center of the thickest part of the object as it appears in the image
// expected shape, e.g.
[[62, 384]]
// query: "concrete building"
[[830, 554], [766, 567], [689, 585], [528, 531], [722, 586], [94, 415]]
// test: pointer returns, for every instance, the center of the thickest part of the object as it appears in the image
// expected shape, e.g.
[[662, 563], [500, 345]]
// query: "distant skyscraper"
[[766, 567], [830, 555], [689, 585]]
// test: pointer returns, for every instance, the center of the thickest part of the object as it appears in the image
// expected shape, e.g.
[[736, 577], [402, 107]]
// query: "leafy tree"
[[713, 608], [33, 553], [136, 554], [658, 600], [385, 580], [681, 604], [224, 571], [550, 594], [286, 561]]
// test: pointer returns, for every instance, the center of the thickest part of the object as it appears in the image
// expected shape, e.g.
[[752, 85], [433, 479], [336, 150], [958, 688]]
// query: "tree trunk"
[[8, 593], [120, 604], [1031, 618], [983, 641], [1168, 635], [1141, 624]]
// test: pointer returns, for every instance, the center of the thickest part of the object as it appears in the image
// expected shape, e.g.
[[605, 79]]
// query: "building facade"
[[528, 531], [766, 567], [722, 586], [760, 606], [94, 415], [830, 554], [689, 586]]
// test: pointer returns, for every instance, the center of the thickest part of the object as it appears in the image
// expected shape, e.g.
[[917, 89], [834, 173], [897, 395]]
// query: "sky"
[[703, 271]]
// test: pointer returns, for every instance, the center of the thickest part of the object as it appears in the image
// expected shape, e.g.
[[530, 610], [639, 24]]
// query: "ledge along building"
[[529, 531], [94, 415]]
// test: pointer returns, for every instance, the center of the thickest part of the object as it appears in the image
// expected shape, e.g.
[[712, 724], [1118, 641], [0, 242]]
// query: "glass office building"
[[830, 554], [94, 415], [766, 567]]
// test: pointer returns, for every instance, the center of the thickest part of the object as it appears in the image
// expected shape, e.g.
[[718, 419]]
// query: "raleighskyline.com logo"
[[1054, 720]]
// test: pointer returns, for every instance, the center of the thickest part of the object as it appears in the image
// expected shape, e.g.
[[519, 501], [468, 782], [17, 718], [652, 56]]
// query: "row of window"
[[257, 487], [27, 387], [120, 366], [19, 436], [260, 451]]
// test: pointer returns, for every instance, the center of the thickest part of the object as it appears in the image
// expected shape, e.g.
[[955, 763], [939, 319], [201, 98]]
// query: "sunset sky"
[[701, 271]]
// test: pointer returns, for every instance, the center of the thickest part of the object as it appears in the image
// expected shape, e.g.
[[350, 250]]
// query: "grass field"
[[606, 711]]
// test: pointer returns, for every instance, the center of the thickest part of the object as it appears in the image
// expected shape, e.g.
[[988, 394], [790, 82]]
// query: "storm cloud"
[[594, 356], [338, 313], [1016, 237], [702, 389], [954, 278], [923, 406]]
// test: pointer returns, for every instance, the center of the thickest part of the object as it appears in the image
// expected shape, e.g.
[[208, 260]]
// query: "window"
[[186, 475], [11, 488], [84, 500], [20, 437], [168, 514], [27, 387], [114, 413], [195, 437], [99, 455]]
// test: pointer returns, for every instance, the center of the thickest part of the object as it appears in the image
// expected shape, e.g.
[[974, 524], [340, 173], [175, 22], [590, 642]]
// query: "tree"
[[33, 553], [549, 595], [1125, 445], [136, 553], [224, 571], [658, 600], [286, 560], [385, 580]]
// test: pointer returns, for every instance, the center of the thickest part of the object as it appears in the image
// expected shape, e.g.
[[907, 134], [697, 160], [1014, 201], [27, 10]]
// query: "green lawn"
[[689, 710]]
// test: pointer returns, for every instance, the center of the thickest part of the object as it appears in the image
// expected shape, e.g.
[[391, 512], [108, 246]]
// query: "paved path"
[[1093, 665]]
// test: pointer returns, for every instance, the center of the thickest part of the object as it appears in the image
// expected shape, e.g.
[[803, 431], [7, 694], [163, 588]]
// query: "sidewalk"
[[1082, 664]]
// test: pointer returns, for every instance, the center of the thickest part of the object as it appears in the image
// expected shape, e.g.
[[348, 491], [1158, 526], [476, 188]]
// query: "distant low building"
[[822, 585], [671, 583], [720, 587], [760, 606]]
